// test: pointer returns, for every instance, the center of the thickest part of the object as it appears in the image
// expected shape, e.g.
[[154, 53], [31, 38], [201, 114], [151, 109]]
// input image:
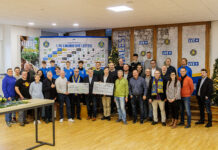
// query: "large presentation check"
[[78, 88], [103, 88]]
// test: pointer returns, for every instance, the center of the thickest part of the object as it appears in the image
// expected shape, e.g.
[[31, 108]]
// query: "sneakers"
[[188, 126], [181, 124], [199, 122], [70, 120], [8, 124], [119, 120], [61, 120], [164, 124], [153, 123]]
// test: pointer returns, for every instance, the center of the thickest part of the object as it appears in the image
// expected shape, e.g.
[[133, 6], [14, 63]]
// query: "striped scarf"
[[159, 88]]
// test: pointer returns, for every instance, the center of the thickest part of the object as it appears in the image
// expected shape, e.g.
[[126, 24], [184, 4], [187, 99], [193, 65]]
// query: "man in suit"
[[135, 62], [204, 92], [154, 67], [90, 98]]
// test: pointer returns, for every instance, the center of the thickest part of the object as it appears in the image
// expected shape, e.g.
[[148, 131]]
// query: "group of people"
[[138, 87]]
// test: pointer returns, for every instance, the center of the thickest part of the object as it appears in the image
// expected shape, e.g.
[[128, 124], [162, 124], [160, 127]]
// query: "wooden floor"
[[105, 135]]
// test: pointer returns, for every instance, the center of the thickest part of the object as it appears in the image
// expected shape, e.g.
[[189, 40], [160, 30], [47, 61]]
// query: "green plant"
[[114, 56], [215, 82]]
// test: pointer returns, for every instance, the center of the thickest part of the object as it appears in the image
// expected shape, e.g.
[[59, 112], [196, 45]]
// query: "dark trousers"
[[91, 105], [145, 107], [203, 103], [129, 107], [174, 108], [137, 100], [167, 109], [75, 102], [48, 112], [64, 99], [38, 113]]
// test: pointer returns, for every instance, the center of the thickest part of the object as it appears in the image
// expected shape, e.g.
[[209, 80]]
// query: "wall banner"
[[121, 40], [167, 45], [143, 42], [74, 49]]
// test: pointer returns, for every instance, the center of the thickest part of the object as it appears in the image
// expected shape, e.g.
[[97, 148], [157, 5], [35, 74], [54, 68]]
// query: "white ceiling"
[[92, 14]]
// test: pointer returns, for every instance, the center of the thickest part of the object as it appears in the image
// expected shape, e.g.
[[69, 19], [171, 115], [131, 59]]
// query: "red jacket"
[[188, 87]]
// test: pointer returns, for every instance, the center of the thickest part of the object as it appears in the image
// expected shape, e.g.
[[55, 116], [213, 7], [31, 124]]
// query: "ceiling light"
[[120, 8], [31, 23], [75, 24], [53, 24]]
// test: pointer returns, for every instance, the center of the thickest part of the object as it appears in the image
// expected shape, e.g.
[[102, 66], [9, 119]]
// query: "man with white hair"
[[61, 87]]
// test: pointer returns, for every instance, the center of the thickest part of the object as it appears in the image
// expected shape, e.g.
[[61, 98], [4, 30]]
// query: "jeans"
[[185, 105], [145, 106], [64, 99], [137, 100], [120, 103], [75, 102], [203, 103], [8, 116], [91, 105], [150, 110]]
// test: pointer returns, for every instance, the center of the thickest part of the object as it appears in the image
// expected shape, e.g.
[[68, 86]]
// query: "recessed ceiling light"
[[53, 24], [120, 8], [75, 24], [31, 23]]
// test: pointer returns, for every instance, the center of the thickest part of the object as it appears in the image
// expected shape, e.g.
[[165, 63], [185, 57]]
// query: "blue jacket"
[[8, 86], [189, 71], [82, 72], [52, 69], [45, 70], [68, 73]]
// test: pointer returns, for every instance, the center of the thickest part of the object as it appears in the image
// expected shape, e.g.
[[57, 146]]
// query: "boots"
[[174, 124], [171, 124]]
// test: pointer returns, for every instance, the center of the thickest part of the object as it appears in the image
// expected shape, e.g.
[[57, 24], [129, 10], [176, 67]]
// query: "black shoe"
[[8, 124], [125, 122], [153, 123], [46, 121], [134, 121], [103, 118], [188, 126], [181, 124], [22, 124], [26, 122], [109, 118], [150, 119], [79, 118], [141, 121], [208, 125], [119, 120], [164, 124], [199, 122]]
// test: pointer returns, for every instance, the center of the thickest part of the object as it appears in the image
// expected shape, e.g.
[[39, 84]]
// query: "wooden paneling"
[[179, 46], [95, 33]]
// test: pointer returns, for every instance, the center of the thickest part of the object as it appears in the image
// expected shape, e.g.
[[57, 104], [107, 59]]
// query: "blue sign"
[[167, 52], [193, 63], [193, 40], [143, 42]]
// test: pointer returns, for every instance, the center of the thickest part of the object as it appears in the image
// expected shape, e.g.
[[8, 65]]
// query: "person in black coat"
[[49, 92], [106, 100], [127, 74], [90, 98], [112, 71], [203, 92], [75, 98]]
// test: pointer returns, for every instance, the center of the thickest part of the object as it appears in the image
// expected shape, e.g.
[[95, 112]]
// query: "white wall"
[[10, 52], [213, 45]]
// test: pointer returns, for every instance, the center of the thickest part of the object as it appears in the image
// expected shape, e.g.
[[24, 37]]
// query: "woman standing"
[[106, 100], [173, 95]]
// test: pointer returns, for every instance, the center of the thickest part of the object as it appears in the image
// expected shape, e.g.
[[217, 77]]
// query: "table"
[[34, 104]]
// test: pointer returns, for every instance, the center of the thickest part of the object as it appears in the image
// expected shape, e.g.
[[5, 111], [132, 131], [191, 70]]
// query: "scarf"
[[159, 88], [183, 78]]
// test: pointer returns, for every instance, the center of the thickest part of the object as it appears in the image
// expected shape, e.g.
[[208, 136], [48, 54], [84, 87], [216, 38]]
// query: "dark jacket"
[[206, 88], [49, 93], [109, 79], [113, 74], [94, 79], [71, 79], [129, 75], [162, 95]]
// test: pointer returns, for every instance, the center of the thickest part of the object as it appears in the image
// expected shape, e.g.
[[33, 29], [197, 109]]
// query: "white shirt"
[[125, 75], [61, 85], [105, 79], [152, 71], [202, 81], [90, 80]]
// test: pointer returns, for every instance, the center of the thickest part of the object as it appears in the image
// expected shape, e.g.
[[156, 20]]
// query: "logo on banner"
[[143, 42], [167, 41], [46, 44], [143, 53], [101, 44], [193, 52], [167, 52]]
